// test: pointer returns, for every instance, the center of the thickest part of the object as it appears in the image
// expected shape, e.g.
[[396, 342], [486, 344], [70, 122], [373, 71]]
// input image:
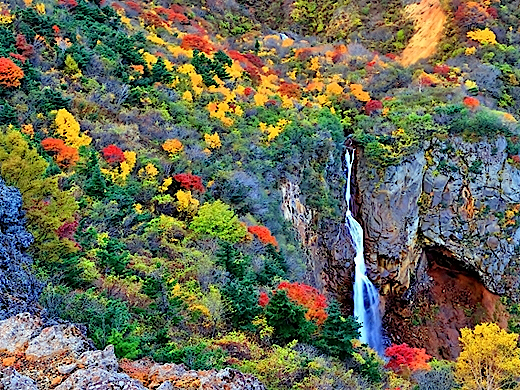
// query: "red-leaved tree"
[[190, 182], [113, 154], [192, 41], [308, 297], [373, 105], [402, 357], [263, 234]]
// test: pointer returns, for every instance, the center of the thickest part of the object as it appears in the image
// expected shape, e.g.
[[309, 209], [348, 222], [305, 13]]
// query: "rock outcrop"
[[61, 357], [19, 290]]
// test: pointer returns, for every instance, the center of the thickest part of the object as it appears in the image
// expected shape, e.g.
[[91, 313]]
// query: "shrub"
[[373, 105], [66, 156], [194, 42], [10, 73], [440, 377], [337, 333], [172, 146], [471, 102], [190, 182], [308, 297], [490, 358], [244, 303]]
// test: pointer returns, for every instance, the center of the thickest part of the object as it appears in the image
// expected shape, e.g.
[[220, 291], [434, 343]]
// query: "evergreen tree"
[[338, 332], [288, 318]]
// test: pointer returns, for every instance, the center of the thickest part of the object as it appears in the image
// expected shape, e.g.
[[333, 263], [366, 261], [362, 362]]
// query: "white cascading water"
[[366, 297]]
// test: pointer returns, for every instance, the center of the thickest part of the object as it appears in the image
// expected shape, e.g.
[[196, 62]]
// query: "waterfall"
[[366, 297]]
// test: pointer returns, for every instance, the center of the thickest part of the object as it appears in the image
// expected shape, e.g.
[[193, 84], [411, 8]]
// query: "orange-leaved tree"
[[65, 156], [308, 297], [263, 234], [10, 73]]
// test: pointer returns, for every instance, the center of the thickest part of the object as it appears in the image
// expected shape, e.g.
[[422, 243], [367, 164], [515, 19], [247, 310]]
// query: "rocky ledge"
[[60, 357]]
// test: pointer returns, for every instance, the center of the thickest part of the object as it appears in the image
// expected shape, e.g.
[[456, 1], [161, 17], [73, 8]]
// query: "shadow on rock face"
[[19, 290]]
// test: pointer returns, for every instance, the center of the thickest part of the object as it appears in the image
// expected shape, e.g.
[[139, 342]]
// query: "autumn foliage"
[[10, 73], [404, 357], [65, 156], [490, 358], [308, 297], [189, 182], [263, 234], [113, 154], [373, 105], [194, 42], [471, 102]]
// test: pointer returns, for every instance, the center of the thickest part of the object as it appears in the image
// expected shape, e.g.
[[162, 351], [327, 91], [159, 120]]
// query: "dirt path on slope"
[[429, 20]]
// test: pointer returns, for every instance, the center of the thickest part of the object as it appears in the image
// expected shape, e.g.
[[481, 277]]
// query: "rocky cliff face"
[[19, 290], [459, 196], [452, 207]]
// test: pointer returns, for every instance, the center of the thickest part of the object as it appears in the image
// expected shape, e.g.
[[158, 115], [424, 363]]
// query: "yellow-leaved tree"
[[490, 359], [68, 128]]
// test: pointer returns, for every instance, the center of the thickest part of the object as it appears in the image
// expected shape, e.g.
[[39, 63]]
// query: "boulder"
[[98, 379], [15, 332], [105, 359], [56, 340], [10, 379]]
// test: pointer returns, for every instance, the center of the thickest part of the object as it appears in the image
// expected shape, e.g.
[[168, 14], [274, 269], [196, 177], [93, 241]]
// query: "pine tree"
[[338, 332]]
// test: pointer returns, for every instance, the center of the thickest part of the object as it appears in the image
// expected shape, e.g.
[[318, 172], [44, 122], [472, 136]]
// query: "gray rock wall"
[[463, 197]]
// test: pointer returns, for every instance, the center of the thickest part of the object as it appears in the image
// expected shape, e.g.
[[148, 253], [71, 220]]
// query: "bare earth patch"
[[429, 20]]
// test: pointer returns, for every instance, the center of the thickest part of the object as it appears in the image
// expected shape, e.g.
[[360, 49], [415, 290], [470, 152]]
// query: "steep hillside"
[[180, 166]]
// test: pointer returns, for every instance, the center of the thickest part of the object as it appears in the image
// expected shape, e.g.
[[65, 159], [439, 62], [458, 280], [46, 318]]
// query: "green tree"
[[47, 206], [216, 219], [338, 332], [288, 319]]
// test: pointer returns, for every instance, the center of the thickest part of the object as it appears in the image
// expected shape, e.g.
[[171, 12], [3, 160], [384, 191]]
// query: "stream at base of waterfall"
[[366, 296]]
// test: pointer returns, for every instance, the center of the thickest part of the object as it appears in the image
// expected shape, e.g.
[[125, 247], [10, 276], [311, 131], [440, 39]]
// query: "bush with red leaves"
[[70, 4], [472, 15], [308, 297], [152, 19], [254, 59], [263, 299], [171, 15], [404, 357], [373, 105], [23, 47], [113, 154], [194, 42], [471, 102], [134, 6], [67, 230], [290, 90], [66, 156], [190, 182], [443, 70], [263, 234]]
